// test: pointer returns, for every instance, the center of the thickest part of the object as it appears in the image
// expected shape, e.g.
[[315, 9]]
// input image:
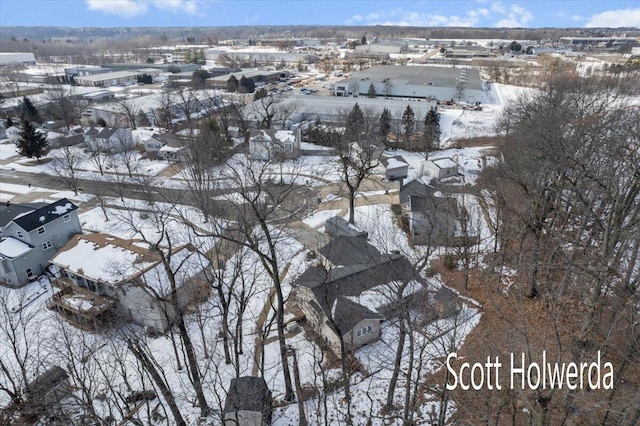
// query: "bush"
[[450, 262]]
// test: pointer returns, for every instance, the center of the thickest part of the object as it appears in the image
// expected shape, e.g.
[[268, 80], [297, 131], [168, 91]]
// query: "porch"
[[80, 306]]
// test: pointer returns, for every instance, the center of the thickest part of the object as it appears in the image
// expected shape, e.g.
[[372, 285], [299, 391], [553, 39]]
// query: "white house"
[[102, 277], [267, 144], [440, 168], [109, 139]]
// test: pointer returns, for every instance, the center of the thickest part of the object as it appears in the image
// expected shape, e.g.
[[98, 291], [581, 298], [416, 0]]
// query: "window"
[[364, 331], [46, 245], [41, 230], [20, 234], [29, 273], [66, 217]]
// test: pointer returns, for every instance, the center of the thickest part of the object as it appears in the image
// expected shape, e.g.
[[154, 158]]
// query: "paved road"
[[296, 206]]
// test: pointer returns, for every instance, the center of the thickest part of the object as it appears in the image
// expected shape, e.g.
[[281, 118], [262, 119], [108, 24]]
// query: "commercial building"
[[16, 58], [332, 109], [426, 82]]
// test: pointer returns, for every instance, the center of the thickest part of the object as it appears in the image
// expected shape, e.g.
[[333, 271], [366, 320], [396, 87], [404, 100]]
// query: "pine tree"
[[232, 84], [408, 123], [9, 122], [385, 124], [431, 131], [28, 111], [372, 91], [31, 143], [355, 124], [246, 85], [142, 119]]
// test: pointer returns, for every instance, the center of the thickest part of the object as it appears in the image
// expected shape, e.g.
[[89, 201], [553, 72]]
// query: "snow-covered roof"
[[443, 163], [11, 247], [394, 162], [44, 215], [115, 261]]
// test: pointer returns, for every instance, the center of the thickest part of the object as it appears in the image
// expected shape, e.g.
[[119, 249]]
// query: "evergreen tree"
[[355, 124], [408, 123], [142, 119], [28, 111], [9, 122], [246, 85], [232, 84], [372, 91], [385, 124], [363, 40], [431, 131], [31, 143]]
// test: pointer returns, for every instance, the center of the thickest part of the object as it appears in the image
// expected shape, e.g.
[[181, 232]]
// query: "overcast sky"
[[459, 13]]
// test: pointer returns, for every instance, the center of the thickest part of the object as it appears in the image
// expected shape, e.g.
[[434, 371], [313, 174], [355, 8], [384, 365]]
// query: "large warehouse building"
[[17, 58], [425, 82]]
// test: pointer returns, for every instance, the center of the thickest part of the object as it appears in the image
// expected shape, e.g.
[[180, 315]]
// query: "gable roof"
[[443, 162], [350, 251], [44, 215], [327, 285], [115, 261], [415, 188], [107, 132], [248, 393], [92, 132], [9, 211], [394, 162], [347, 314]]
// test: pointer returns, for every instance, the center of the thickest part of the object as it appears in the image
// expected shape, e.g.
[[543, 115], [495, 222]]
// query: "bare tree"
[[62, 105], [128, 111], [66, 163]]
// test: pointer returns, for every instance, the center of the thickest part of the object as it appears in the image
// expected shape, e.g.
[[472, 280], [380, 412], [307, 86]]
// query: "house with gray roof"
[[266, 144], [327, 293], [248, 402], [30, 236], [109, 139]]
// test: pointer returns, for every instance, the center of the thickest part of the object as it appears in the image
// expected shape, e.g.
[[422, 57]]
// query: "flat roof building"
[[12, 58], [438, 83], [331, 109]]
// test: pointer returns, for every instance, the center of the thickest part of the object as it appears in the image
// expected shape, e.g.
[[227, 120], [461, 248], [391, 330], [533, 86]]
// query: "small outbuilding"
[[48, 388], [248, 402], [395, 167], [440, 168]]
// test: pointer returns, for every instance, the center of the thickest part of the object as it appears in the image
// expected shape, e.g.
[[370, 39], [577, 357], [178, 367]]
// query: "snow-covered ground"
[[57, 342]]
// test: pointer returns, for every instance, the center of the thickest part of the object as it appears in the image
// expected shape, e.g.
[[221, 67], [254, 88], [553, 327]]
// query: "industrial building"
[[332, 109], [17, 58], [426, 82]]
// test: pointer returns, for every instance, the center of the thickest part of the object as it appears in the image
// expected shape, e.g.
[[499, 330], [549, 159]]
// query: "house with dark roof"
[[433, 220], [30, 235], [168, 146], [415, 188], [337, 226], [248, 402], [327, 293]]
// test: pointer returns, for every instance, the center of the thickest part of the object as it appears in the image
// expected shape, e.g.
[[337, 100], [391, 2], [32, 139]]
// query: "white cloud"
[[401, 17], [123, 8], [131, 8], [577, 18], [190, 7], [514, 16], [615, 18]]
